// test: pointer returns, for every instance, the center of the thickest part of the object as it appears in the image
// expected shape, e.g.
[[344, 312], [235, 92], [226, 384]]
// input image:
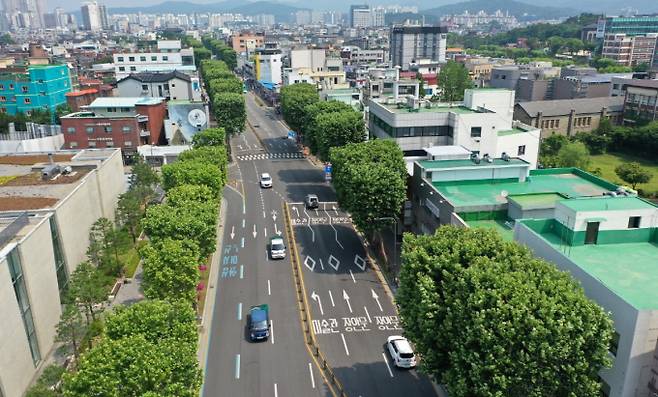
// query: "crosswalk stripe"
[[265, 156]]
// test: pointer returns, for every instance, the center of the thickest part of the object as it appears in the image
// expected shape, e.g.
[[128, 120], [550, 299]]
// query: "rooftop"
[[513, 131], [156, 77], [628, 269], [536, 201], [82, 92], [123, 102], [607, 203], [489, 192], [446, 164], [562, 107], [434, 109]]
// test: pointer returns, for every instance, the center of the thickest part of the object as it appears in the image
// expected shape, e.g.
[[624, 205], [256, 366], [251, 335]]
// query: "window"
[[634, 222], [18, 281], [2, 86], [125, 110], [154, 58], [73, 144], [142, 59], [111, 110], [476, 132], [145, 87], [557, 123], [131, 59], [109, 144], [27, 100], [11, 86], [173, 84], [127, 143], [165, 58], [3, 98], [614, 343], [91, 143], [90, 130], [60, 261], [122, 68], [70, 130], [521, 150], [133, 69], [119, 59], [107, 129], [126, 128]]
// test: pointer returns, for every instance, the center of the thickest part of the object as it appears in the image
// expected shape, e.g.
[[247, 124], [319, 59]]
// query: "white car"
[[277, 248], [401, 351], [265, 180]]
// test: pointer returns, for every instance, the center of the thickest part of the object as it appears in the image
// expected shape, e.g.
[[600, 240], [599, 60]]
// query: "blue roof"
[[268, 84]]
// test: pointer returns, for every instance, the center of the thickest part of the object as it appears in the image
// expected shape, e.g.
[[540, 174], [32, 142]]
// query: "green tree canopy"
[[633, 173], [209, 137], [135, 367], [88, 287], [337, 129], [453, 79], [489, 319], [230, 111], [192, 173], [573, 154], [214, 155], [156, 320], [129, 212], [308, 125], [171, 270], [184, 195], [294, 99]]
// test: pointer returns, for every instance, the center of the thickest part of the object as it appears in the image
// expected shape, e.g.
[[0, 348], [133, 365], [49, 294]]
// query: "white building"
[[314, 67], [44, 234], [411, 43], [360, 16], [174, 86], [483, 123], [169, 57], [94, 16], [268, 65]]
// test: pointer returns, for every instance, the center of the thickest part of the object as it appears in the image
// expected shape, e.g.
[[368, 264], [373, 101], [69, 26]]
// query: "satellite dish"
[[504, 193], [196, 117]]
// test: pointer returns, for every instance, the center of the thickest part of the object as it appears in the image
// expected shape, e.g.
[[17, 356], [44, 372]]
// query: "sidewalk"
[[131, 290]]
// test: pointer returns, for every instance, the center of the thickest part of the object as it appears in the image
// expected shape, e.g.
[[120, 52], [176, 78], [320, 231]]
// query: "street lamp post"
[[395, 234]]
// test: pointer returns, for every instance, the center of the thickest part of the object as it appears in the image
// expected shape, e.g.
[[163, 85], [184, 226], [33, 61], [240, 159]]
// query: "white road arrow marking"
[[274, 215], [376, 298], [347, 300], [254, 233], [276, 230], [296, 210], [316, 298], [232, 232]]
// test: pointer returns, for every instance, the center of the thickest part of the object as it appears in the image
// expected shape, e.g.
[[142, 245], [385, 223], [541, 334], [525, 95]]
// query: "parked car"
[[311, 201], [265, 180], [401, 351], [277, 248], [259, 323]]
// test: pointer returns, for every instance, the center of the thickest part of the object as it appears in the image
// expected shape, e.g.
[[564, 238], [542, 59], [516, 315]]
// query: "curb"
[[208, 308], [374, 265]]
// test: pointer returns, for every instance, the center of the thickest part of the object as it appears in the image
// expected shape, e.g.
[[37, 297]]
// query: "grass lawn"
[[128, 252], [607, 163]]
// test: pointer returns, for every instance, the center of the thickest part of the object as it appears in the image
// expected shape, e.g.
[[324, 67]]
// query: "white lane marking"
[[241, 271], [331, 298], [309, 225], [276, 391], [347, 300], [310, 370], [321, 264], [316, 298], [387, 365], [345, 344], [265, 230], [376, 298], [333, 227], [232, 232], [296, 210], [240, 311], [276, 230], [254, 233], [367, 314], [269, 289], [272, 331], [243, 223], [264, 216], [242, 243], [352, 274], [237, 366]]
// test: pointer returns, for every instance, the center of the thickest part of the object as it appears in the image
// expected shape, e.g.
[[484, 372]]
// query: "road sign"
[[327, 171], [292, 135]]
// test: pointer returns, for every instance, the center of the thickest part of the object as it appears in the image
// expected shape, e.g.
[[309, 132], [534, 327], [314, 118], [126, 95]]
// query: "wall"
[[534, 90], [156, 115], [510, 144], [637, 341], [80, 138], [45, 144]]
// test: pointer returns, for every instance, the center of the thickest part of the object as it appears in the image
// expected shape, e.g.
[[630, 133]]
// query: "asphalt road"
[[356, 315]]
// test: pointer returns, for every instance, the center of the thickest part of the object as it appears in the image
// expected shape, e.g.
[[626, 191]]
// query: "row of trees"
[[150, 348], [39, 116], [489, 319], [323, 124], [225, 92], [221, 51]]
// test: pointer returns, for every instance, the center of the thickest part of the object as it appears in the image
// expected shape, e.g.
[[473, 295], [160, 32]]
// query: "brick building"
[[77, 99], [116, 122], [247, 42]]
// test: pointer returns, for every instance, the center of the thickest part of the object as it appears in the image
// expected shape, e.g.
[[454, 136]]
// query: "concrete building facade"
[[42, 87], [268, 65], [169, 57], [630, 50], [170, 86], [412, 43]]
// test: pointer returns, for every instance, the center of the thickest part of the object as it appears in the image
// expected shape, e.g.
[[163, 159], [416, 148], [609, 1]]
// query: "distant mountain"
[[281, 11], [610, 7], [521, 11]]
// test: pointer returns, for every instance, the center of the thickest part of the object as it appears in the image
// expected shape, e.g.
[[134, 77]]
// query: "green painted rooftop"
[[446, 164], [629, 270], [490, 192], [511, 132], [607, 204], [434, 109], [506, 230], [537, 200]]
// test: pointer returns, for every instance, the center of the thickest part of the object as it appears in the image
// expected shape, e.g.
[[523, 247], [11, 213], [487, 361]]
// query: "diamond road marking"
[[310, 265], [333, 262], [360, 262]]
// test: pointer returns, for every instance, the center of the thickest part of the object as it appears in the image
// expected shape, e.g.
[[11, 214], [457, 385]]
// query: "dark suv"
[[259, 323]]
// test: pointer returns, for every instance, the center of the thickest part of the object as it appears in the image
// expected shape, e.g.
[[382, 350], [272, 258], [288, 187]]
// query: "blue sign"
[[292, 135], [327, 168]]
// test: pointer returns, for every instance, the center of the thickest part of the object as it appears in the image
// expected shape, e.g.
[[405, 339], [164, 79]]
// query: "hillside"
[[521, 11]]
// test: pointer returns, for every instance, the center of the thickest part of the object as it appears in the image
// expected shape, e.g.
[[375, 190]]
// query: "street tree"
[[88, 288], [490, 320], [71, 329], [453, 80], [230, 112], [370, 182], [230, 85], [130, 212], [143, 180], [194, 221], [633, 174], [337, 129], [134, 366], [156, 320], [308, 125], [103, 247], [171, 270], [184, 195], [209, 137], [573, 154], [294, 99], [215, 155], [192, 173]]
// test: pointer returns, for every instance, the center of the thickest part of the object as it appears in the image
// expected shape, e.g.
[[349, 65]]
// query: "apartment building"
[[247, 42], [25, 88], [170, 86], [629, 50], [116, 122], [641, 101], [268, 65], [169, 57], [44, 229], [411, 43]]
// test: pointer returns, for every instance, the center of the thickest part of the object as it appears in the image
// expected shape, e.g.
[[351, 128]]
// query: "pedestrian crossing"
[[270, 156]]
